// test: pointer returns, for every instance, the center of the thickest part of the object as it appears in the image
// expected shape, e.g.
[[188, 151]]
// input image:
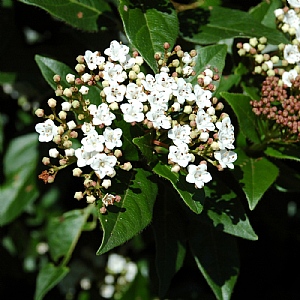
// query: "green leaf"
[[264, 12], [170, 238], [255, 176], [210, 56], [216, 255], [19, 188], [6, 77], [247, 119], [224, 211], [148, 25], [192, 197], [48, 277], [50, 67], [81, 14], [64, 231], [286, 151], [145, 144], [133, 213], [211, 26], [227, 83]]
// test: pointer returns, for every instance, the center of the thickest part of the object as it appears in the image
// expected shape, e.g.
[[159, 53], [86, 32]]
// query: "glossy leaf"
[[170, 238], [81, 14], [255, 176], [64, 231], [193, 198], [210, 56], [216, 255], [227, 83], [19, 188], [148, 25], [288, 151], [48, 277], [211, 26], [50, 67], [224, 211], [247, 119], [133, 213]]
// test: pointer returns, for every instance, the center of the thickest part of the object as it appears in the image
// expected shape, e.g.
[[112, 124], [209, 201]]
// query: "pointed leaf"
[[288, 151], [224, 211], [19, 188], [64, 231], [50, 67], [211, 26], [81, 14], [210, 56], [255, 175], [227, 83], [170, 238], [133, 213], [192, 197], [247, 119], [48, 277], [148, 25], [216, 255]]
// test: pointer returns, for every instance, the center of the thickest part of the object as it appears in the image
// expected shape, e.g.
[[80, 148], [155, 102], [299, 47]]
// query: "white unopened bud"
[[114, 105], [78, 195], [70, 78], [90, 199], [175, 168], [86, 77], [71, 125], [39, 112], [67, 92], [53, 152], [118, 153], [65, 106], [70, 152], [204, 136], [176, 106], [84, 90], [127, 166], [106, 183], [209, 73], [215, 146], [187, 109], [77, 172], [211, 111], [62, 115], [52, 102]]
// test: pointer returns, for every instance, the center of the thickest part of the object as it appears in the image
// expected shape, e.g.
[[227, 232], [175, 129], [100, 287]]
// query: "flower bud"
[[77, 172], [84, 90], [127, 166], [53, 152], [71, 125], [67, 92], [118, 153], [70, 152], [204, 136], [62, 115], [78, 195], [106, 183], [175, 168], [86, 77], [90, 199], [80, 68], [70, 78], [52, 102], [39, 112], [56, 78], [46, 161]]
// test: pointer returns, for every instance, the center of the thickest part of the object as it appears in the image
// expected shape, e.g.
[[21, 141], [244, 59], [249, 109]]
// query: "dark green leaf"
[[170, 238], [19, 188], [7, 77], [224, 211], [48, 277], [133, 213], [255, 176], [251, 91], [192, 197], [216, 255], [148, 25], [210, 26], [50, 67], [145, 144], [64, 231], [81, 14], [287, 151], [210, 56], [227, 83], [247, 119]]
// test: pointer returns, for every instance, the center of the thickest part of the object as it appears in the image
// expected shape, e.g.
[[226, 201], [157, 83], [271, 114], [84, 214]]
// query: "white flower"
[[291, 19], [112, 137], [291, 54], [47, 130], [103, 164], [294, 3], [87, 128], [102, 114], [225, 158], [84, 90], [86, 77], [93, 142], [184, 91], [115, 92], [180, 134], [225, 134], [114, 72], [187, 59], [83, 157], [159, 99], [202, 96], [93, 59], [132, 112], [149, 82], [66, 106], [116, 263], [135, 92], [158, 118], [180, 154], [287, 77], [165, 83], [117, 51], [53, 152], [198, 175], [70, 152], [204, 121]]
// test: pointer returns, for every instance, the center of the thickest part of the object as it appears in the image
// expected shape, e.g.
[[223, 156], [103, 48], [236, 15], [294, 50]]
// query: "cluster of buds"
[[280, 65], [187, 121]]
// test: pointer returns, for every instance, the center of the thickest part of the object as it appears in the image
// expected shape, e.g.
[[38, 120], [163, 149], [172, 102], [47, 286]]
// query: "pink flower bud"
[[39, 112], [52, 102]]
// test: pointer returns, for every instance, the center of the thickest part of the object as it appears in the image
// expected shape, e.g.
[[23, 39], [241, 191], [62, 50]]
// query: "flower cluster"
[[186, 119], [280, 90]]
